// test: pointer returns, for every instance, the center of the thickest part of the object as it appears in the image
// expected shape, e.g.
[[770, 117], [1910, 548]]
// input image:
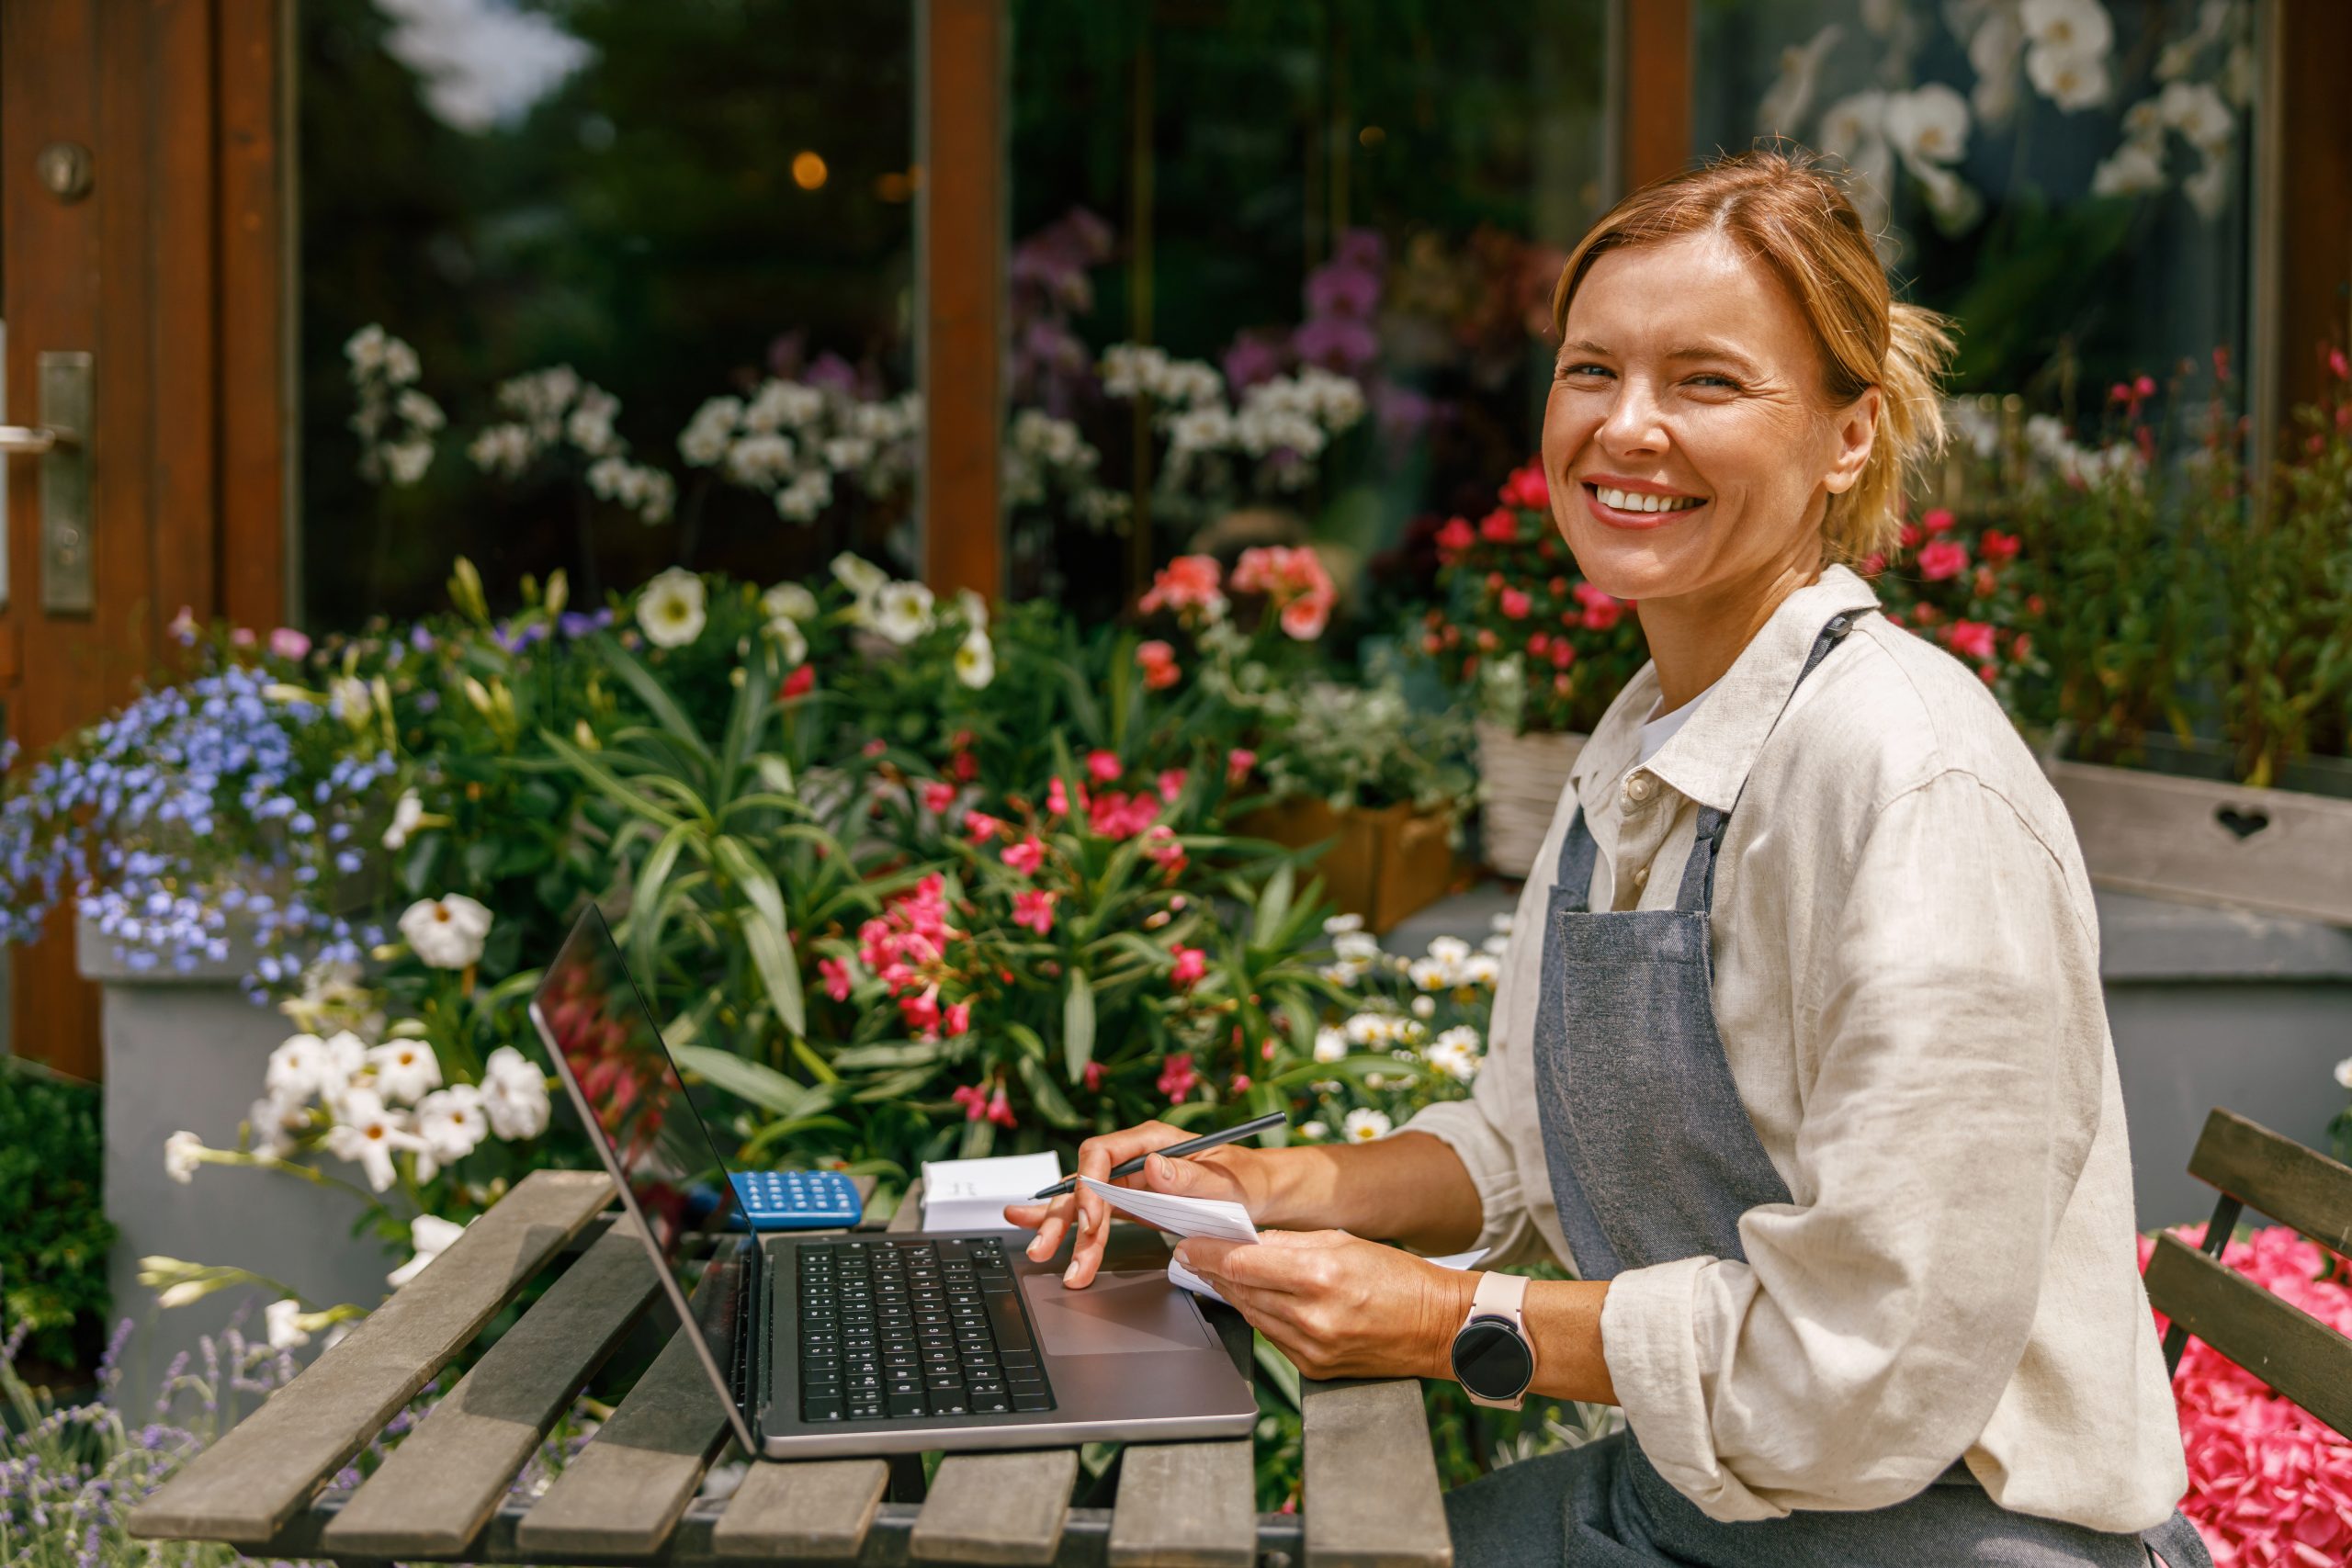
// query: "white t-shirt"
[[1657, 729]]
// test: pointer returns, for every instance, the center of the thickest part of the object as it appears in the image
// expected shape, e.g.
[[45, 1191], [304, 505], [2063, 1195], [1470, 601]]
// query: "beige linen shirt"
[[1906, 985]]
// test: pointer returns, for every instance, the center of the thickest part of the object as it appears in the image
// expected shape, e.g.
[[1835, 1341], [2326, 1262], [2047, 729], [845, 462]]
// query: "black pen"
[[1248, 1129]]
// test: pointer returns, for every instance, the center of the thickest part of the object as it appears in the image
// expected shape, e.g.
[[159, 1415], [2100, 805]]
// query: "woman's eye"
[[1724, 381], [1585, 368]]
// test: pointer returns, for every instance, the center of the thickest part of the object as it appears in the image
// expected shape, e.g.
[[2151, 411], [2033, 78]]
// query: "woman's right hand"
[[1234, 1174]]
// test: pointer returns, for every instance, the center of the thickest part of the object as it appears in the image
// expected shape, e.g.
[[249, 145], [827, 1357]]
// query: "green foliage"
[[53, 1246]]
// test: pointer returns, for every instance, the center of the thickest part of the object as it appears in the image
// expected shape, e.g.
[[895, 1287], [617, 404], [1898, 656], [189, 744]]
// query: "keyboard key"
[[990, 1403], [815, 1407], [945, 1403], [901, 1406], [1031, 1401], [1004, 1317]]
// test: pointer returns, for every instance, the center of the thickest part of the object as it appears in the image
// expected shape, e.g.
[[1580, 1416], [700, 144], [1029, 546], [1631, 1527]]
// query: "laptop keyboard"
[[894, 1329]]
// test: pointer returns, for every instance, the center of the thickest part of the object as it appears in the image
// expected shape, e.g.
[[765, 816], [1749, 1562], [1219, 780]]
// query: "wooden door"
[[132, 230]]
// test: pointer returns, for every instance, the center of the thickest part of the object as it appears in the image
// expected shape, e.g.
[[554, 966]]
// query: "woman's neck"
[[1694, 637]]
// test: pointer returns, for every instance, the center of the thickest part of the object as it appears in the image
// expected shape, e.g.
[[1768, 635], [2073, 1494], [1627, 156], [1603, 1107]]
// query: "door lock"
[[61, 441]]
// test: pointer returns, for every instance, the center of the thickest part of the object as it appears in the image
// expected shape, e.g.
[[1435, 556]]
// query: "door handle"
[[68, 584]]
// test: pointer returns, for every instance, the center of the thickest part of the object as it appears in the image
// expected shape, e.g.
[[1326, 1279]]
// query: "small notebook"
[[1216, 1218], [970, 1194]]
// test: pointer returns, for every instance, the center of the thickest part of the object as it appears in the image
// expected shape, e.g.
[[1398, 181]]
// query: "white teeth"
[[1636, 501]]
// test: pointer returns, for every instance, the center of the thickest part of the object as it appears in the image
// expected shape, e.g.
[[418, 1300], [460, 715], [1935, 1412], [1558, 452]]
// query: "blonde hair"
[[1786, 212]]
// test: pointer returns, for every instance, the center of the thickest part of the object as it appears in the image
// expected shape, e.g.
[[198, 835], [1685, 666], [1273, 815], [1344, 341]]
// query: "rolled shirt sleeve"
[[1947, 1113]]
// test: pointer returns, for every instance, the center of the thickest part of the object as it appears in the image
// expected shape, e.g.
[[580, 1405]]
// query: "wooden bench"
[[2304, 1360], [631, 1494]]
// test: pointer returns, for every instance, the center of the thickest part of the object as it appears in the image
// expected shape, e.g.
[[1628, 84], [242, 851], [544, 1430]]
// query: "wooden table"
[[630, 1497]]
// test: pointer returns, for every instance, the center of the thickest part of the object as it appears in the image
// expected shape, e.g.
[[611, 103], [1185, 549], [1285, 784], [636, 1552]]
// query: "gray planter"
[[189, 1051], [2208, 1006]]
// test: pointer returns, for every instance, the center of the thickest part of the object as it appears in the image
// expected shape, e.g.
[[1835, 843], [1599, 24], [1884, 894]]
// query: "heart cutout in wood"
[[2244, 825]]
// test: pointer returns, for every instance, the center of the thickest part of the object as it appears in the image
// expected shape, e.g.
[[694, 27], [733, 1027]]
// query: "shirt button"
[[1639, 788]]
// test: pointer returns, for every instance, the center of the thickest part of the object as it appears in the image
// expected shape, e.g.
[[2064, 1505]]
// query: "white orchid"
[[2207, 189], [1851, 123], [183, 1152], [446, 933], [408, 815], [2180, 57], [902, 612], [1955, 204], [430, 1235], [1993, 52], [671, 610], [367, 1134], [859, 575], [1363, 1126], [2197, 111], [1927, 125], [2070, 81], [404, 1070], [2072, 27], [513, 1094], [2133, 169], [975, 659], [1787, 101]]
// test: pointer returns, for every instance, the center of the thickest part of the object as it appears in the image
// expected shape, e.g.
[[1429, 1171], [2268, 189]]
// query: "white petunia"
[[973, 607], [408, 815], [446, 933], [859, 575], [285, 1332], [430, 1236], [670, 609], [2133, 169], [788, 602], [1363, 1126], [513, 1094], [975, 659], [902, 612], [1927, 125], [367, 1134], [1330, 1044], [183, 1152], [405, 1069]]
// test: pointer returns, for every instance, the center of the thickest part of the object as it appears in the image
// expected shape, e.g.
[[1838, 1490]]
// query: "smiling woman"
[[1798, 1054]]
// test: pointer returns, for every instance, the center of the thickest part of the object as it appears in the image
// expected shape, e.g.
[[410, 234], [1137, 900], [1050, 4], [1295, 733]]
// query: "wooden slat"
[[1185, 1506], [621, 1496], [2148, 833], [250, 1483], [1370, 1486], [446, 1478], [2293, 1185], [2287, 1348], [997, 1509], [816, 1512], [908, 1216], [1654, 109]]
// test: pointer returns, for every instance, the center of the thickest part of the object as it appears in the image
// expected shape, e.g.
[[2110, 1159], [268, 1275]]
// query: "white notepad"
[[1216, 1218], [970, 1194]]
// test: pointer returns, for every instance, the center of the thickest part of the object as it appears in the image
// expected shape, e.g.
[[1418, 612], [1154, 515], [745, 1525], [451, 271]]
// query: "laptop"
[[871, 1343]]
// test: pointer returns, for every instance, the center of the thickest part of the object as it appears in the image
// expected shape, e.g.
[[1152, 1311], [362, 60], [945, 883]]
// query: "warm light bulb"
[[809, 171]]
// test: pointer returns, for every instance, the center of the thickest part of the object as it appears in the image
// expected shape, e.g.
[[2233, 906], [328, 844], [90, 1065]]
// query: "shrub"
[[53, 1246]]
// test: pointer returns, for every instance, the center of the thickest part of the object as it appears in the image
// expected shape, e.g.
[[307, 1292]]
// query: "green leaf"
[[757, 881], [645, 902], [1273, 904], [819, 1068], [775, 774], [907, 1053], [1048, 1096], [605, 780], [656, 698], [771, 955], [761, 1085], [1277, 1368], [1078, 1025]]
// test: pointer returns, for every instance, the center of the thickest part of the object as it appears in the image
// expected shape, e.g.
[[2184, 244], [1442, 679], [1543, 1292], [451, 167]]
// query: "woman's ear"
[[1855, 427]]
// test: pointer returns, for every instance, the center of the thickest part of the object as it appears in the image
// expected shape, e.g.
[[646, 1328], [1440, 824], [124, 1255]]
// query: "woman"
[[1799, 1055]]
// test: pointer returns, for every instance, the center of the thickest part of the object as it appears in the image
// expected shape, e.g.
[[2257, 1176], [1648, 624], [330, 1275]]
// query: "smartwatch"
[[1492, 1358]]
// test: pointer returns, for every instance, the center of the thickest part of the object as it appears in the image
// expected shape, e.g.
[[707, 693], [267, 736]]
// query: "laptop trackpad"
[[1118, 1315]]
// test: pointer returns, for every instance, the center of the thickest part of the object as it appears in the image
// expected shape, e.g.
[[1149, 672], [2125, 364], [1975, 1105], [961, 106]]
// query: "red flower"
[[1158, 662], [1874, 563], [1515, 603], [1997, 547], [1909, 536], [1094, 1075], [964, 766], [1172, 783], [1527, 488], [937, 796], [1970, 640], [1187, 585], [1192, 963], [959, 1018], [1105, 767], [1000, 1108], [980, 825], [1602, 611], [1943, 558], [2337, 365], [836, 975], [1538, 643], [797, 683], [974, 1100], [1034, 908], [921, 1011], [1304, 617], [1025, 857], [1453, 538], [1177, 1077], [1563, 653], [1940, 520], [1118, 816], [1237, 763], [1165, 850], [873, 747], [1500, 526]]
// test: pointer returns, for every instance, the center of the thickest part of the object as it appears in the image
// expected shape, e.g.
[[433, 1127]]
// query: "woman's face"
[[1688, 381]]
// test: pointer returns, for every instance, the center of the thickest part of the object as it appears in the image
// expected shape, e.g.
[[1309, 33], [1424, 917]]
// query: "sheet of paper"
[[970, 1194]]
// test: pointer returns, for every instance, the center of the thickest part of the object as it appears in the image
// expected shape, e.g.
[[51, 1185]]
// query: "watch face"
[[1491, 1360]]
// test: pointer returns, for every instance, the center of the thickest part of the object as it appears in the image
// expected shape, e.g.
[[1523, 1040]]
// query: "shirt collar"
[[1708, 759]]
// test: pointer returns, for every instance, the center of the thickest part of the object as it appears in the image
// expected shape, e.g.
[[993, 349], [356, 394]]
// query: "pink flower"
[[1515, 603], [1527, 488], [1240, 1084], [921, 1011], [959, 1018], [1057, 796], [1118, 816], [1500, 526], [836, 975], [2340, 367], [1237, 763], [1187, 585], [1165, 850], [980, 825], [974, 1100], [1025, 857], [1105, 767], [1998, 547], [1453, 538], [288, 643], [242, 637], [1563, 653], [1970, 640], [1940, 520], [937, 796], [1941, 558], [183, 627], [873, 747], [1158, 662], [1304, 618], [1000, 1108], [1192, 963], [797, 683], [1094, 1075], [1601, 610], [1034, 908], [1172, 783], [1177, 1077]]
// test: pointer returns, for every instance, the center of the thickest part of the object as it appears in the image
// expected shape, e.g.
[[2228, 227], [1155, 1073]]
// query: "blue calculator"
[[797, 1199]]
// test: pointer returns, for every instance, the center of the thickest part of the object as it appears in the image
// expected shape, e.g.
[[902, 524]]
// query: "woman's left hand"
[[1338, 1305]]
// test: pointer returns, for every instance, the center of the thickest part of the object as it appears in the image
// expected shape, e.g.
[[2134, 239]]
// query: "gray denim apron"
[[1653, 1158]]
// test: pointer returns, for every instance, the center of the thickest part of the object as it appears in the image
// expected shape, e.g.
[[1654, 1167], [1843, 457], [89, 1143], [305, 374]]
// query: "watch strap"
[[1502, 1296]]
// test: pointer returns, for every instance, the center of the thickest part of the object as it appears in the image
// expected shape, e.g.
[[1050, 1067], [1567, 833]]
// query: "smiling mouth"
[[1638, 501]]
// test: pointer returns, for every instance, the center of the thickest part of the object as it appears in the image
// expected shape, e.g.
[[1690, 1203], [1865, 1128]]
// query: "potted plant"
[[1541, 651]]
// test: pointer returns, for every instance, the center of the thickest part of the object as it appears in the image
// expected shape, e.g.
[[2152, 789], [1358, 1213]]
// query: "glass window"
[[1282, 271], [2070, 179], [654, 206]]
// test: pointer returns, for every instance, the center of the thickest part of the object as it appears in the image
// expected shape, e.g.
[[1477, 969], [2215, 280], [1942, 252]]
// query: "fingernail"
[[1085, 1223], [1070, 1275], [1034, 1253], [1162, 1167], [1181, 1258]]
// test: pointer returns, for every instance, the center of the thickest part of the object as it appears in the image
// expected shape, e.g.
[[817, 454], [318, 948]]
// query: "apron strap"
[[1697, 893], [1577, 853]]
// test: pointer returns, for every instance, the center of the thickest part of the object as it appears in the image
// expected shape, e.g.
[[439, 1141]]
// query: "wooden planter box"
[[1386, 864], [2276, 850], [1520, 781]]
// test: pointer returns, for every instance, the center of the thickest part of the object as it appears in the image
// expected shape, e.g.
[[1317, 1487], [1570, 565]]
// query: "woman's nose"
[[1633, 424]]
